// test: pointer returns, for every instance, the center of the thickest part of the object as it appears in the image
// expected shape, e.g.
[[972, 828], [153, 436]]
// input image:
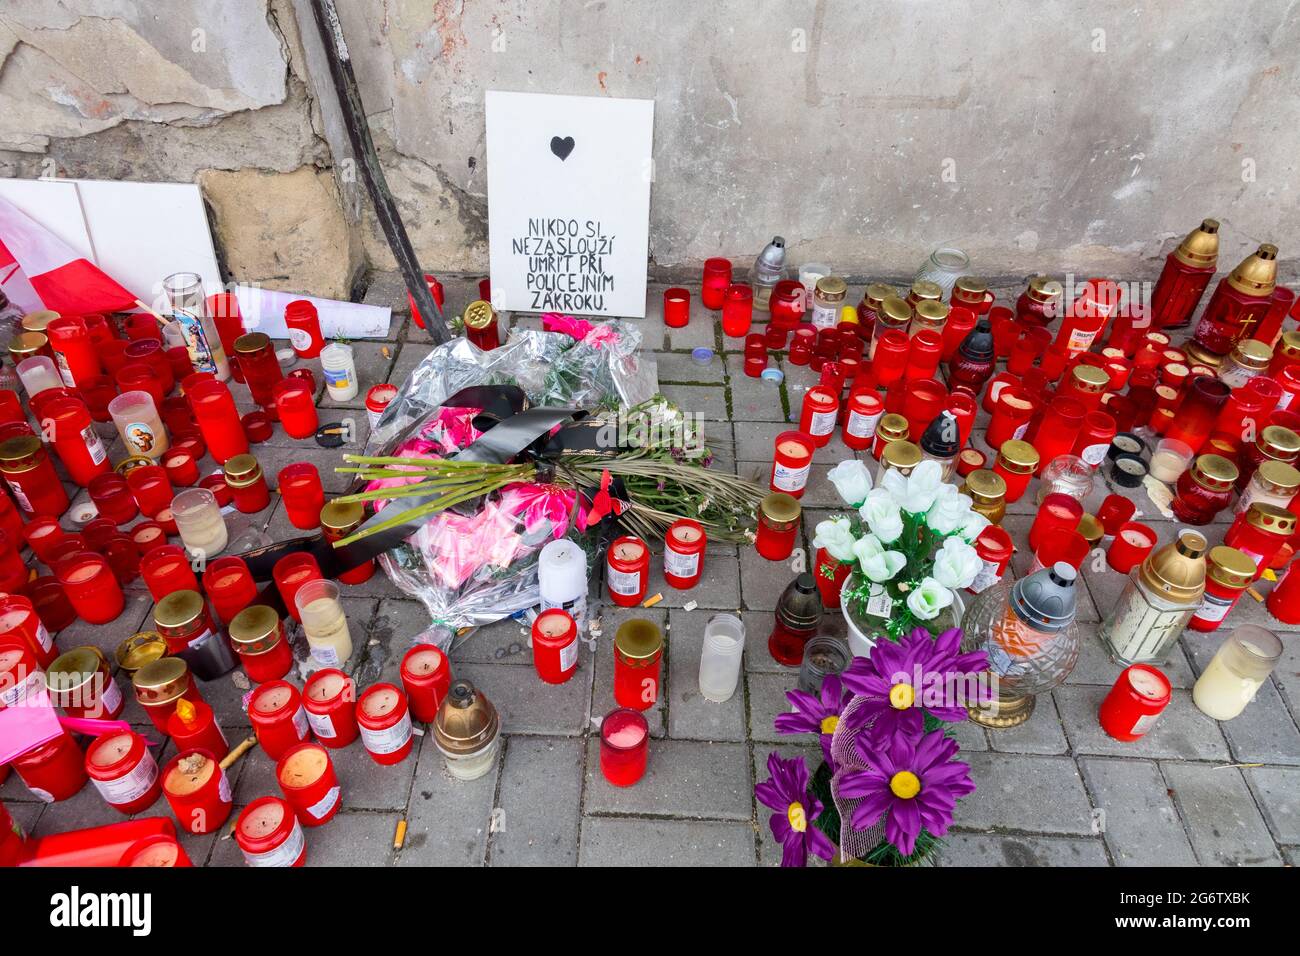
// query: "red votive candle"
[[42, 535], [181, 467], [148, 535], [20, 622], [75, 440], [309, 784], [737, 310], [279, 720], [290, 573], [924, 399], [330, 698], [229, 586], [1095, 436], [964, 410], [819, 414], [218, 420], [193, 726], [303, 323], [269, 834], [778, 526], [1115, 510], [124, 771], [1139, 696], [638, 653], [113, 499], [259, 639], [1133, 542], [31, 477], [220, 490], [1058, 512], [297, 411], [384, 720], [717, 277], [303, 494], [624, 746], [677, 307], [792, 463], [74, 350], [197, 790], [55, 770], [1061, 545], [52, 605], [91, 586], [166, 569], [923, 356], [1057, 430], [247, 484], [150, 488], [426, 676], [627, 571], [865, 409], [555, 646], [684, 546]]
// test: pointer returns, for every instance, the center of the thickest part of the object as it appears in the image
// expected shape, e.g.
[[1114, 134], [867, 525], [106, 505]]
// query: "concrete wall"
[[1039, 136]]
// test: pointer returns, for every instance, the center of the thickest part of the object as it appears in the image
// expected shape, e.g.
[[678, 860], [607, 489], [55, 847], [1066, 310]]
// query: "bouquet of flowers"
[[906, 550]]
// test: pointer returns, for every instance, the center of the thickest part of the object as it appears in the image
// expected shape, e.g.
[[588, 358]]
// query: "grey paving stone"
[[528, 705], [1095, 666], [1225, 827], [762, 581], [701, 330], [690, 716], [651, 328], [754, 399], [718, 587], [1038, 794], [448, 819], [1287, 676], [681, 368], [1140, 825], [684, 778], [1277, 790], [755, 440], [707, 401], [977, 849], [766, 700], [602, 699], [352, 838], [1182, 731], [541, 788], [1041, 734], [612, 841]]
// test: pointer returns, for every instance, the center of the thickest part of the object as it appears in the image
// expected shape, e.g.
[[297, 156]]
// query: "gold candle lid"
[[1270, 518], [251, 342], [1200, 247], [638, 639], [1091, 530], [73, 668], [896, 311], [900, 455], [1089, 378], [923, 289], [255, 629], [342, 515], [1289, 344], [479, 315], [1256, 275], [1230, 567], [161, 681], [831, 288], [242, 470], [19, 453], [1214, 473], [1199, 356], [140, 649], [178, 609], [26, 344], [1284, 477], [1276, 441], [1252, 354], [38, 320], [876, 293], [780, 508], [1018, 456], [931, 314], [970, 289], [466, 721], [892, 428], [1177, 571], [985, 485], [1044, 289]]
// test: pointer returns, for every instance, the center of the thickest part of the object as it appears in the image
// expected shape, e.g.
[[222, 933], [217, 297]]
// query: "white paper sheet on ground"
[[263, 310]]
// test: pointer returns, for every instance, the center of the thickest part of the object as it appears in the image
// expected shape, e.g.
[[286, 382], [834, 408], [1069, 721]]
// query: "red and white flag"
[[37, 266]]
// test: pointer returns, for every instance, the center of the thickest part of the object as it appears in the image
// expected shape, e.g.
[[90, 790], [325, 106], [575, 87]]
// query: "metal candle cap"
[[1046, 599], [800, 606], [466, 722], [978, 344], [941, 437]]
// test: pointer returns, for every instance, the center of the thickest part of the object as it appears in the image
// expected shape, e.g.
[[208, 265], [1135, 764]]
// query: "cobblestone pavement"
[[1055, 791]]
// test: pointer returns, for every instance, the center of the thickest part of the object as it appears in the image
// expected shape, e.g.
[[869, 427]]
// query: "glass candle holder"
[[340, 371], [1067, 475], [290, 573], [324, 622], [167, 569], [229, 585], [624, 746], [296, 409], [944, 267], [717, 277], [677, 307], [51, 603], [255, 356], [200, 523], [138, 422], [1241, 665], [38, 373], [720, 657], [303, 494], [1115, 510], [31, 477]]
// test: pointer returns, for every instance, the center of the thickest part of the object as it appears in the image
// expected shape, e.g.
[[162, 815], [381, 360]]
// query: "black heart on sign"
[[562, 147]]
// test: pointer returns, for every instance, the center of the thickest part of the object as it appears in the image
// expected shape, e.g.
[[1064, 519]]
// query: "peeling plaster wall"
[[1040, 135]]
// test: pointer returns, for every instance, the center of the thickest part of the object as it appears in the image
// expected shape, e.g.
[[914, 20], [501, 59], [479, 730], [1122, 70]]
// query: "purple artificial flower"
[[919, 673], [815, 715], [786, 791], [914, 784]]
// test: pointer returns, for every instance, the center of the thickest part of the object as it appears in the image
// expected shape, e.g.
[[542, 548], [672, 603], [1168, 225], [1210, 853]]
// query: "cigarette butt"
[[241, 748], [651, 602], [1255, 594], [400, 836]]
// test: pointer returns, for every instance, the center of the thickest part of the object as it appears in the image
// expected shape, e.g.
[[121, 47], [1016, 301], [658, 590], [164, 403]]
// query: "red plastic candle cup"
[[1138, 697], [178, 357], [150, 488], [13, 571], [279, 720], [257, 426], [1069, 547], [1133, 542], [150, 352], [717, 277], [1024, 352], [197, 790], [684, 546], [141, 325], [1095, 436], [819, 413], [627, 571], [737, 310], [218, 420], [384, 719], [624, 746], [166, 569], [92, 588], [792, 463], [140, 377], [269, 834], [677, 307], [1283, 602], [74, 350], [181, 468], [1115, 510], [55, 770], [95, 536], [964, 410], [774, 337], [923, 356], [303, 494], [123, 558], [961, 321], [756, 344], [865, 410], [257, 634], [1058, 512], [995, 548], [112, 356], [124, 771], [290, 573], [439, 296], [229, 586], [19, 622], [220, 490], [52, 605], [555, 646], [426, 676], [112, 497], [42, 534], [303, 323], [75, 441], [1005, 330], [923, 400], [72, 544], [20, 676], [1056, 430], [193, 726], [330, 698], [148, 535], [309, 784], [755, 364], [297, 411]]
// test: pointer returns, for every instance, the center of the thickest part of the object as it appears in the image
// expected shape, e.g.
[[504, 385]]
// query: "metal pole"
[[363, 148]]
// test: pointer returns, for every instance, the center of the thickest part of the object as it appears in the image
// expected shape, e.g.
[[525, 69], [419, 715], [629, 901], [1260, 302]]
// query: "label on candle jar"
[[112, 697], [823, 316], [783, 477], [1143, 723], [132, 785], [94, 445], [325, 654], [1080, 340], [568, 655], [282, 855], [680, 565], [30, 686], [391, 739], [322, 725], [300, 339], [43, 637], [300, 723], [577, 609], [325, 804], [862, 426], [17, 491], [821, 423], [627, 583], [1019, 433], [1214, 608]]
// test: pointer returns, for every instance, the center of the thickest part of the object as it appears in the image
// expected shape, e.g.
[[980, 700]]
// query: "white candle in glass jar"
[[1240, 666], [324, 622]]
